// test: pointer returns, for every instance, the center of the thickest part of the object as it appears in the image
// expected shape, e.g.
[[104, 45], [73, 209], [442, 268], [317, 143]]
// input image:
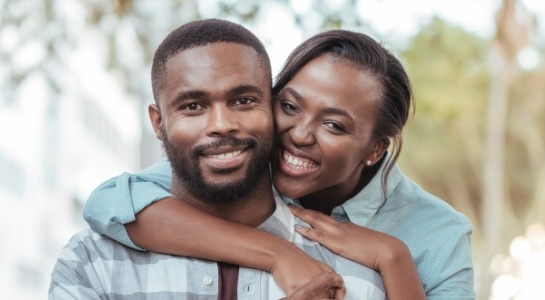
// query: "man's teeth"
[[298, 163], [226, 155]]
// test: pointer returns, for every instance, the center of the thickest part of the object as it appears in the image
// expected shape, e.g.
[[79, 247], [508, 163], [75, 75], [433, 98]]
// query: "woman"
[[340, 100]]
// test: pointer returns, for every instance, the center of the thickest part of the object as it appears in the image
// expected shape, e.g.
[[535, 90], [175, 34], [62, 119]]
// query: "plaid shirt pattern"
[[93, 266]]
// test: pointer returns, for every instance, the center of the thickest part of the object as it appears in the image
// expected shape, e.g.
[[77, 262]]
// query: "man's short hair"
[[198, 34]]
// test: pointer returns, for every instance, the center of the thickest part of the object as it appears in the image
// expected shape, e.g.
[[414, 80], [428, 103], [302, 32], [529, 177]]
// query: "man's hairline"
[[264, 62]]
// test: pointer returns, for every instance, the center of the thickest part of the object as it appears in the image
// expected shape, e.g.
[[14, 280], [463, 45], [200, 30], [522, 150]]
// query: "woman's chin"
[[290, 182], [288, 187]]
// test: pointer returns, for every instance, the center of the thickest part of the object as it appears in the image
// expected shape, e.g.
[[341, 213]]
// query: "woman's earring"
[[368, 163]]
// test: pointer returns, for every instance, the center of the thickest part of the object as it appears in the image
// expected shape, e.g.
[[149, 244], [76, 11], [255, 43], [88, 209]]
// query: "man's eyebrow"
[[184, 95], [241, 89]]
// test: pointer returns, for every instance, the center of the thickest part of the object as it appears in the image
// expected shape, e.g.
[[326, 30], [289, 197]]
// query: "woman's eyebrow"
[[325, 111], [292, 92], [335, 111]]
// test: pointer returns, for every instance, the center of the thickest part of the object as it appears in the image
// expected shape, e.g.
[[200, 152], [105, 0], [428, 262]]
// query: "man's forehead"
[[215, 68], [216, 54], [217, 62]]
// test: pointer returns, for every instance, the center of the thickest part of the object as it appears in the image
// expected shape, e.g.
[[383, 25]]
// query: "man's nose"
[[222, 122]]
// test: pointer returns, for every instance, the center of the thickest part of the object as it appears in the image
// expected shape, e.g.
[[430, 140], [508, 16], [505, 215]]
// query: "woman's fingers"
[[314, 234], [314, 218], [328, 285]]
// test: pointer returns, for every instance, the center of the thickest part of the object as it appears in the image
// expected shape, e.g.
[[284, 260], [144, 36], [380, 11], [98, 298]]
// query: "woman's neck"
[[327, 199]]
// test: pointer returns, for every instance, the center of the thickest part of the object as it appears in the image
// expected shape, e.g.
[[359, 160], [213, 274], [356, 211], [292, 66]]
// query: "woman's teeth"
[[297, 162], [226, 155]]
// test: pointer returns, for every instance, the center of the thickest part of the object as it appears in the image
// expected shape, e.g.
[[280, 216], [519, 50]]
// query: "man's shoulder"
[[87, 238], [83, 237], [88, 246]]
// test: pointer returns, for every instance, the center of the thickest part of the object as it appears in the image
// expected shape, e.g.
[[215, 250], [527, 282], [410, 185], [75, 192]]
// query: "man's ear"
[[156, 120], [376, 154]]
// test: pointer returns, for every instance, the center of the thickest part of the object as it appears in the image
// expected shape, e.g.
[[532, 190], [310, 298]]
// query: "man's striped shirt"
[[93, 266]]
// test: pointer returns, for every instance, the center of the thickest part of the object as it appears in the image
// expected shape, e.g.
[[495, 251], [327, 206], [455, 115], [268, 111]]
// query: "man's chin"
[[225, 176], [225, 183]]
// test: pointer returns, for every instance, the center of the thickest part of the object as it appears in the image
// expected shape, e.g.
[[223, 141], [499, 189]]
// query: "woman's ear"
[[156, 120], [376, 154]]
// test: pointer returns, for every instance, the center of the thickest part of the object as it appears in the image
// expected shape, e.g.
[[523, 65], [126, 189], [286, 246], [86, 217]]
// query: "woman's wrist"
[[399, 273], [393, 255]]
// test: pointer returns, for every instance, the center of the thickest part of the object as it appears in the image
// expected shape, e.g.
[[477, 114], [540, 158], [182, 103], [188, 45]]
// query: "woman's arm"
[[122, 209], [117, 201], [175, 227], [384, 253]]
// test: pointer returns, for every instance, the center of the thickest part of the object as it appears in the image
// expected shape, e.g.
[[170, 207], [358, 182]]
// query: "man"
[[212, 87]]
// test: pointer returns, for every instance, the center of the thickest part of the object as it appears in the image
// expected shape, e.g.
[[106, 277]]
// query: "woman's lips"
[[297, 162], [295, 166]]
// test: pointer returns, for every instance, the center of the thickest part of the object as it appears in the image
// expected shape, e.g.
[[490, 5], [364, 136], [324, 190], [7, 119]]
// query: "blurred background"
[[75, 84]]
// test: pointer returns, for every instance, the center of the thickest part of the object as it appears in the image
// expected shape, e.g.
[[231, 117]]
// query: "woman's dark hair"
[[364, 53]]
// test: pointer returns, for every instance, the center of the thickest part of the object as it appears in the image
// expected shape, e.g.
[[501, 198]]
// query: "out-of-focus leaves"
[[443, 141]]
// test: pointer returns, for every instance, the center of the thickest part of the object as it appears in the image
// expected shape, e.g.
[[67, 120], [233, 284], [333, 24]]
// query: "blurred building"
[[55, 148]]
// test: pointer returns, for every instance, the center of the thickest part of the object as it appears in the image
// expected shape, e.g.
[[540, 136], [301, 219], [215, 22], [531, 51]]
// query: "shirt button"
[[207, 280]]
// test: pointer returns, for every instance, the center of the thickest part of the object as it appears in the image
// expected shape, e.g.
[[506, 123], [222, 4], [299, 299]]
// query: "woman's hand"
[[327, 285], [295, 272], [365, 246], [384, 253]]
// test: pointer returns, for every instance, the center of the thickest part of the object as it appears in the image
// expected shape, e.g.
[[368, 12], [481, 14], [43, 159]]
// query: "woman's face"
[[324, 118]]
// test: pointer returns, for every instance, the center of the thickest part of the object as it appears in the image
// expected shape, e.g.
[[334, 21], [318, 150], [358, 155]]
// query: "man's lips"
[[225, 155], [228, 159]]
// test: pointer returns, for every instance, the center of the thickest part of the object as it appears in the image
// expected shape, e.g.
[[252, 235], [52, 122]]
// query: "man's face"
[[215, 120]]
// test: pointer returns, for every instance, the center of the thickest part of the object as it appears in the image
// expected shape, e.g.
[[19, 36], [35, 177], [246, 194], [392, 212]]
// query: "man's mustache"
[[229, 141]]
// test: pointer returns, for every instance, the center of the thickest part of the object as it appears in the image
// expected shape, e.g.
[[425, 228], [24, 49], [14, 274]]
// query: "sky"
[[394, 20]]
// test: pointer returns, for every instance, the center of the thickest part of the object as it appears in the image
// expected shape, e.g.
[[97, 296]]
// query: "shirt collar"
[[360, 208], [281, 222]]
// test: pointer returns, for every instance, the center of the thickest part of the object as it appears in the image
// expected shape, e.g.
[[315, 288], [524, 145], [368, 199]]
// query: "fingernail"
[[290, 204], [297, 226]]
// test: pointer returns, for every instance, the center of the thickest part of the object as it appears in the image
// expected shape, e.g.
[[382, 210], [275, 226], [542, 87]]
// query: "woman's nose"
[[302, 135]]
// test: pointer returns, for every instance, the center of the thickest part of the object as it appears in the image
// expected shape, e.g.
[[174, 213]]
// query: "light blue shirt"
[[93, 266], [437, 236]]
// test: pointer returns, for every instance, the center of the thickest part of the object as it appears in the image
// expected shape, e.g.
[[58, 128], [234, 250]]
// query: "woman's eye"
[[289, 106], [335, 126]]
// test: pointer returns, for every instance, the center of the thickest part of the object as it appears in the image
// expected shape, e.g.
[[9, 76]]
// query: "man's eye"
[[191, 106], [243, 101]]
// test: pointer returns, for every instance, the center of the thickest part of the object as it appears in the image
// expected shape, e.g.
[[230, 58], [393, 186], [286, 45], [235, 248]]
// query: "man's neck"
[[252, 209]]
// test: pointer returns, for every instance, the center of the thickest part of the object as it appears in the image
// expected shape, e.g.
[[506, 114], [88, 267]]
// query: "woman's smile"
[[324, 118], [295, 166]]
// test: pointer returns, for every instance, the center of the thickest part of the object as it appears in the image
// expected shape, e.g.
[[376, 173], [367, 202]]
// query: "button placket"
[[207, 280]]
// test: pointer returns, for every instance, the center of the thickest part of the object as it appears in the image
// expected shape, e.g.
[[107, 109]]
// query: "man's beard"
[[188, 169]]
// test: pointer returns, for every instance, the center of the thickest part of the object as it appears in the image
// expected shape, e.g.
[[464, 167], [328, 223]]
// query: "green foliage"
[[442, 143]]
